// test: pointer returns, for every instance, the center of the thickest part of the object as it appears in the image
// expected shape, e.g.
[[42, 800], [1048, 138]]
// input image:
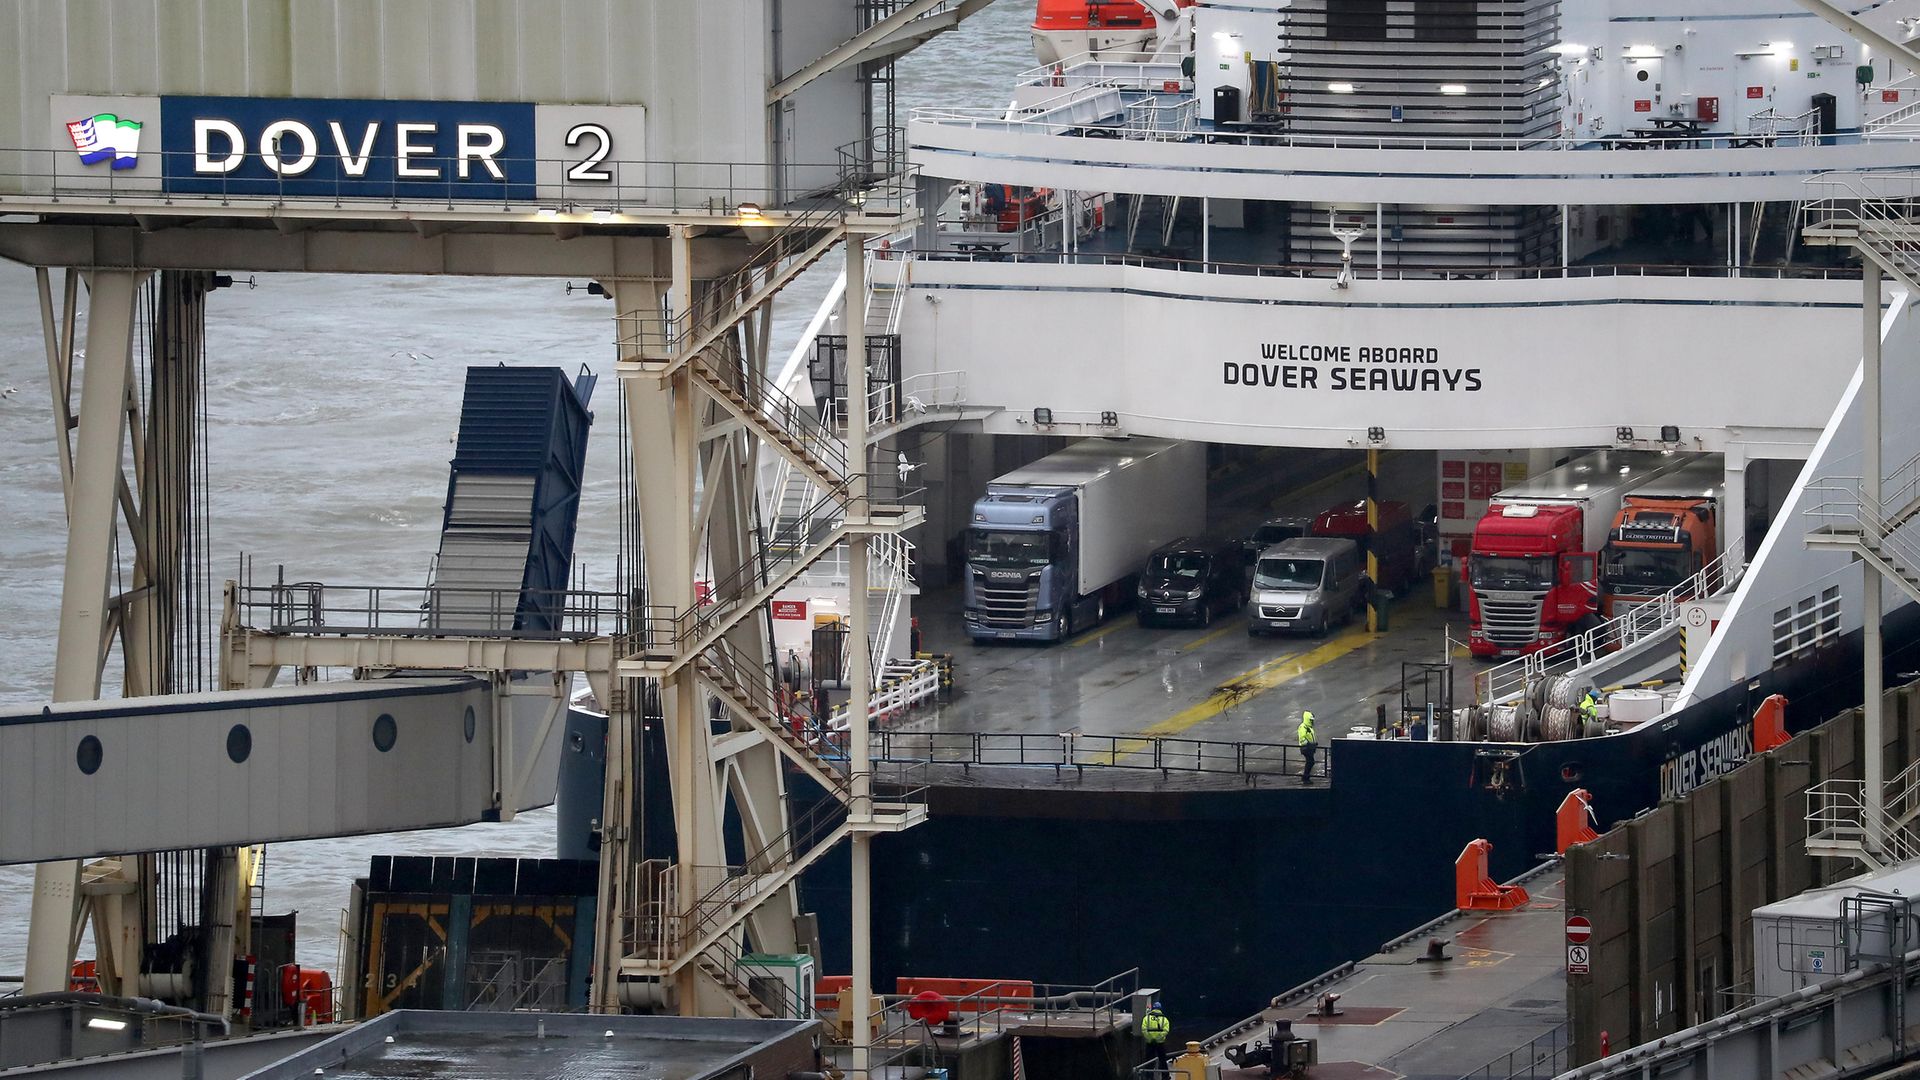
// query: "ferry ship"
[[1594, 226], [1427, 255]]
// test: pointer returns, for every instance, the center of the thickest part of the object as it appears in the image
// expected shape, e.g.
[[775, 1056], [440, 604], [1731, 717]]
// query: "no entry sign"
[[1578, 930]]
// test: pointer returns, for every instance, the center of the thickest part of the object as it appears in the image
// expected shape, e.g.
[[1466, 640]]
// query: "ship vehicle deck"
[[1399, 1013]]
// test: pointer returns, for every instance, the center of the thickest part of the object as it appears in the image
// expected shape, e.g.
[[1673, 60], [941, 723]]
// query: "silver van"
[[1309, 583]]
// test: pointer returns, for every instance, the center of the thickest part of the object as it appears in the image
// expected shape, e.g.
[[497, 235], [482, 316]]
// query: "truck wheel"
[[1100, 611], [1583, 624], [1253, 631], [1062, 627]]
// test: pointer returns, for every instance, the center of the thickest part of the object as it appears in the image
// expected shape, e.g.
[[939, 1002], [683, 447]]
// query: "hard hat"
[[1156, 1004]]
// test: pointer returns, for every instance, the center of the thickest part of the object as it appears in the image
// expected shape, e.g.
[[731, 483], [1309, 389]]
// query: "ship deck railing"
[[1076, 752], [1005, 1007], [1544, 1057], [1765, 137], [976, 251]]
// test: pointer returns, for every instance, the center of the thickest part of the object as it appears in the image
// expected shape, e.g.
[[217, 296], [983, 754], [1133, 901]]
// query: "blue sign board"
[[350, 148]]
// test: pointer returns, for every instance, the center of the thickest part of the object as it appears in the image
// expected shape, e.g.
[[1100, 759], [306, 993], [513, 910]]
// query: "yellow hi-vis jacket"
[[1155, 1026], [1306, 729]]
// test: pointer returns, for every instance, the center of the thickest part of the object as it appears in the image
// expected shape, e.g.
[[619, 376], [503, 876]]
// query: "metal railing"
[[313, 607], [1421, 273], [1544, 1057], [1082, 69], [808, 427], [541, 187], [1151, 118], [995, 1008], [891, 699], [1784, 129], [667, 334], [997, 119], [725, 894], [1878, 209], [918, 395], [1901, 123], [1840, 504], [1644, 619], [749, 979], [1078, 752], [1837, 815]]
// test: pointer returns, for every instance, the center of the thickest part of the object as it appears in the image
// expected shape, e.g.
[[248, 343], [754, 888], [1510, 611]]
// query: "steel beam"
[[860, 666], [1872, 754], [91, 530]]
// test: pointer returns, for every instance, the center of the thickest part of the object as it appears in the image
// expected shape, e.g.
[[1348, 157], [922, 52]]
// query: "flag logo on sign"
[[105, 137]]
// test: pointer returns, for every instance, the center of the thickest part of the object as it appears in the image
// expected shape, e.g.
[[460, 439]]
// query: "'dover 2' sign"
[[468, 151]]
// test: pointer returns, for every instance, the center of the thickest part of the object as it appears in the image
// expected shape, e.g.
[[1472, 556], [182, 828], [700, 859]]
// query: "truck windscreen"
[[1632, 566], [1513, 572], [1008, 550], [1279, 573]]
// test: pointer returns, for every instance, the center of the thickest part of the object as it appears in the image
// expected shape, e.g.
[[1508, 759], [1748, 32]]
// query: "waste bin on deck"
[[1382, 603], [1443, 587]]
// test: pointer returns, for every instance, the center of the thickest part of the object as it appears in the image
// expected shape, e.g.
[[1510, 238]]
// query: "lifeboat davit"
[[1113, 30]]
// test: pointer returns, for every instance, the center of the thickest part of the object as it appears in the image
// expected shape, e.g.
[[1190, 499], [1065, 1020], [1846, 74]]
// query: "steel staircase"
[[793, 430], [680, 338], [724, 896], [695, 916], [780, 560], [1841, 515], [747, 688], [1878, 213]]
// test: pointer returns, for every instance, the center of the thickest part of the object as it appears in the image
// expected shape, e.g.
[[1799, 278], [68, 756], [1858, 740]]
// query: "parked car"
[[1310, 583], [1189, 581], [1271, 532]]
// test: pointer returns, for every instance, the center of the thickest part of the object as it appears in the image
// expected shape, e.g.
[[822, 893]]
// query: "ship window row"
[[1800, 628], [1431, 20]]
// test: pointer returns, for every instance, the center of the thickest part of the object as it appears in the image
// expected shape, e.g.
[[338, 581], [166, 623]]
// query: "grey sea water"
[[332, 403]]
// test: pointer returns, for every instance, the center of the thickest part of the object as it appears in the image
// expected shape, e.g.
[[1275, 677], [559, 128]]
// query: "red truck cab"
[[1529, 584]]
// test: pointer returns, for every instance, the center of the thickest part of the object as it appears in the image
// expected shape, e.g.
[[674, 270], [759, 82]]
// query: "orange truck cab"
[[1666, 532]]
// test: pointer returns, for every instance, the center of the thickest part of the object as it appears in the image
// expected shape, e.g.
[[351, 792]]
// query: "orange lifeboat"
[[1115, 30]]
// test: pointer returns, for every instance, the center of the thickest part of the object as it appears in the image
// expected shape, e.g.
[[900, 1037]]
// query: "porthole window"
[[385, 731], [239, 743], [88, 755], [1642, 75], [469, 721]]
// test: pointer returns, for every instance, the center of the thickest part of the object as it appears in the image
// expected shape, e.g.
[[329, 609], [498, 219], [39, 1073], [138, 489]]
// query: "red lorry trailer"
[[1395, 542], [1532, 572]]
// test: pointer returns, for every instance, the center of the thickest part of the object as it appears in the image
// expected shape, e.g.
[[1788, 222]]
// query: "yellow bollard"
[[1191, 1065]]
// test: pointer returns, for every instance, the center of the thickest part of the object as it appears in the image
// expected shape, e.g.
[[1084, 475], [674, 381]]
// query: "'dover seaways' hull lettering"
[[1713, 758]]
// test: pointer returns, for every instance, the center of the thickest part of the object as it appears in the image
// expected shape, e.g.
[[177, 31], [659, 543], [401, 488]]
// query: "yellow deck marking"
[[1088, 639], [1237, 624], [1243, 688]]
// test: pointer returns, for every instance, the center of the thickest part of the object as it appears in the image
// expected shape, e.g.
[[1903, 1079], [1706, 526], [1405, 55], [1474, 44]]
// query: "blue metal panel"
[[459, 921], [347, 147], [528, 421]]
